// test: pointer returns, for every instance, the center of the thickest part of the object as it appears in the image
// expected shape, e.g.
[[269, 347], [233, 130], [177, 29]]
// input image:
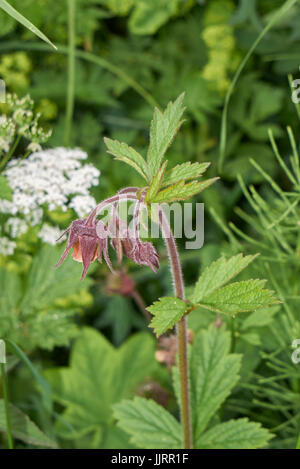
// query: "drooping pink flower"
[[87, 243]]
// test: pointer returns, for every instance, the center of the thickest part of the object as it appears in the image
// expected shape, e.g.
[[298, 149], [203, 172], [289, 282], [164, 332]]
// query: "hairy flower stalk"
[[181, 332], [89, 240]]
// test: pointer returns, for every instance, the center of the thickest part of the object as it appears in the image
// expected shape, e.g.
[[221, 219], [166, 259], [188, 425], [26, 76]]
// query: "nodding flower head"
[[87, 245], [89, 239]]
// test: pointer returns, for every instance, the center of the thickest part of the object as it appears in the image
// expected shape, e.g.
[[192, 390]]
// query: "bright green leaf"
[[237, 297], [218, 274], [148, 17], [125, 153], [164, 127], [235, 434], [99, 375], [214, 372], [156, 183], [183, 172], [149, 424], [182, 191], [167, 311]]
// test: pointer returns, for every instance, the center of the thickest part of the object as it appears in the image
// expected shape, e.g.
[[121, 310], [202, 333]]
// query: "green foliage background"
[[91, 344]]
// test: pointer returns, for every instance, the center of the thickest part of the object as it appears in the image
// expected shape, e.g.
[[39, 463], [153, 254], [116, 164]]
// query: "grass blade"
[[45, 387], [25, 22]]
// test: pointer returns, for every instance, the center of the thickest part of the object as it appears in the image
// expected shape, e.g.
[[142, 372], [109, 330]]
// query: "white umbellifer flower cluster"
[[15, 227], [82, 204], [7, 246], [50, 179], [50, 234]]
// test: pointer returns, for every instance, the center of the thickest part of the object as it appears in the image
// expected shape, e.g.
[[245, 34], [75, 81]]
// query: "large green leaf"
[[235, 434], [39, 309], [25, 22], [238, 297], [149, 424], [214, 372], [98, 376], [23, 428]]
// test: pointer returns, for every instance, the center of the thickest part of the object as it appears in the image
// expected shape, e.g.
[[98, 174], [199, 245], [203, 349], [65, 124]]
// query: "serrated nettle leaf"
[[150, 425], [183, 172], [164, 127], [235, 434], [182, 191], [156, 183], [167, 312], [23, 428], [214, 372], [5, 189], [247, 295], [218, 274], [127, 154]]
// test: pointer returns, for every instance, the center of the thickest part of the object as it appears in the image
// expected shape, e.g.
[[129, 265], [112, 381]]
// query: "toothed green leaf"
[[164, 127], [238, 297], [125, 153], [182, 191], [218, 274], [183, 172], [167, 311], [156, 183], [235, 434], [150, 425]]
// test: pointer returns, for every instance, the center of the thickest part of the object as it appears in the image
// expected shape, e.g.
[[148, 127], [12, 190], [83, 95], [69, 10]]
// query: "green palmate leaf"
[[182, 191], [21, 19], [23, 428], [238, 297], [5, 189], [167, 311], [214, 372], [125, 153], [235, 434], [183, 172], [164, 127], [99, 375], [218, 274], [149, 424]]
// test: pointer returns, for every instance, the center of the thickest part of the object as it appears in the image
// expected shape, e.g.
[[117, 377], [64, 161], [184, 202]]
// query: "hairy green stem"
[[6, 405], [71, 71], [181, 334]]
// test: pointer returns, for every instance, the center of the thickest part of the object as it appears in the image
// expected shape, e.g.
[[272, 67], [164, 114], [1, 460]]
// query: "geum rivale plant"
[[204, 377]]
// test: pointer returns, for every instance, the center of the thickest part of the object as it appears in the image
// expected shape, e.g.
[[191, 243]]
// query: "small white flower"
[[15, 227], [7, 247], [53, 178], [50, 234], [83, 205]]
